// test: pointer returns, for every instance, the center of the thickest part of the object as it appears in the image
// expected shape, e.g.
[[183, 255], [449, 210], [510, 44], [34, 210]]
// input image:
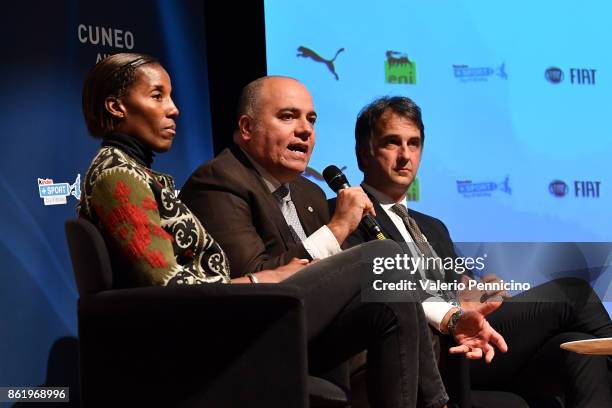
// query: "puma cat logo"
[[308, 53]]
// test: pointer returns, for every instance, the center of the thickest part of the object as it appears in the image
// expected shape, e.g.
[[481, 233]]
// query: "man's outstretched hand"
[[475, 336]]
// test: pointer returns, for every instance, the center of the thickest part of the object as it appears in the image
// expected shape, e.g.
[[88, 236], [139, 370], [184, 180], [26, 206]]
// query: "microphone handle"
[[373, 226], [368, 221]]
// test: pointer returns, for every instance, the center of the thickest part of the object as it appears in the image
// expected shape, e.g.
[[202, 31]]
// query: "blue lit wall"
[[48, 48], [515, 99], [513, 151]]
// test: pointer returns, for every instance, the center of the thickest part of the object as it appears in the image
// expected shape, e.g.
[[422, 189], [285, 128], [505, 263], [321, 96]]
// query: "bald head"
[[249, 101]]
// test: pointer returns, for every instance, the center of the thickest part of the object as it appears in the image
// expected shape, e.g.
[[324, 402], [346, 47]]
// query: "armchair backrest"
[[90, 259]]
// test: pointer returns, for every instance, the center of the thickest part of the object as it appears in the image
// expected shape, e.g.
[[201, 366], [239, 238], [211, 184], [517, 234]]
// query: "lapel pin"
[[310, 209]]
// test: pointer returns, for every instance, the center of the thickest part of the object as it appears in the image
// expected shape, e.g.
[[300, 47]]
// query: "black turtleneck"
[[131, 146]]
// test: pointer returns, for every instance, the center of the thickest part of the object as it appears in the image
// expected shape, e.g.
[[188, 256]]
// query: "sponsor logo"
[[582, 188], [587, 189], [554, 75], [582, 76], [466, 73], [414, 191], [57, 193], [305, 52], [577, 76], [558, 188], [399, 69], [469, 189]]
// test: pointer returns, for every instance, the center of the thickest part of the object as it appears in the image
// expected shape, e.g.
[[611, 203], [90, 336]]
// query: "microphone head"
[[335, 179]]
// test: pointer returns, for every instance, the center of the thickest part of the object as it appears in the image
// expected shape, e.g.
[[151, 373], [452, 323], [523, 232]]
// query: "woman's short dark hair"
[[111, 76], [370, 116]]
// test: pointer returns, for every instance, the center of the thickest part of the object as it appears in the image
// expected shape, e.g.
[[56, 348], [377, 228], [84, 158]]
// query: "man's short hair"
[[249, 98], [370, 116]]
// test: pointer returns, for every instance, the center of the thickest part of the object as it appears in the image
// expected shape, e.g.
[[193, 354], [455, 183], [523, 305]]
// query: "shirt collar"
[[271, 183]]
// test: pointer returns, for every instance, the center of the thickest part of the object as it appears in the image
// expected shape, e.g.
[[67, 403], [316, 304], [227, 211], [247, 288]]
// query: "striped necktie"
[[424, 247], [414, 230], [283, 196]]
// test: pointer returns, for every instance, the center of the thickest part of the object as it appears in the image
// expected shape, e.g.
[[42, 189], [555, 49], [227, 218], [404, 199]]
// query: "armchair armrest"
[[455, 372], [208, 345]]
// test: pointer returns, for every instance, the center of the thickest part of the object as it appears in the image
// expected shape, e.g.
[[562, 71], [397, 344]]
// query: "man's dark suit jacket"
[[231, 200], [434, 230]]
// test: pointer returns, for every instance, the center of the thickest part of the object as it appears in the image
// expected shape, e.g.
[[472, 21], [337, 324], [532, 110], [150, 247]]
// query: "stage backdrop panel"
[[48, 47], [515, 100]]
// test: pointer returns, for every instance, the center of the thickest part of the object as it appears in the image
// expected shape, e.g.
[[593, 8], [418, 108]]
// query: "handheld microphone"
[[336, 180]]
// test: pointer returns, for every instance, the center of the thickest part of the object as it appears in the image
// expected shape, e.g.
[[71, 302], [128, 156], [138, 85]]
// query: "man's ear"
[[245, 127], [364, 154], [115, 107]]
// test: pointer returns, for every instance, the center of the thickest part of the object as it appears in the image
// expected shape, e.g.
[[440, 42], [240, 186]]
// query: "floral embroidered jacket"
[[153, 238]]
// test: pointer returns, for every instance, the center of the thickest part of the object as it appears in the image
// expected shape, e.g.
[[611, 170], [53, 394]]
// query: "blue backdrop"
[[48, 48], [515, 99]]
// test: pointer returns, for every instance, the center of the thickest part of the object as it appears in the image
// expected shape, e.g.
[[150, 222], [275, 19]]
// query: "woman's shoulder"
[[109, 166], [109, 160]]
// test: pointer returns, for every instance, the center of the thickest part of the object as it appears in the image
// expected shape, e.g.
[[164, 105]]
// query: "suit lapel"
[[429, 230], [272, 209], [384, 221]]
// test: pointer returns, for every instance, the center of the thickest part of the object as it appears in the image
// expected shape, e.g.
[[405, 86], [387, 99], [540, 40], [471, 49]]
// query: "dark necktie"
[[413, 229], [287, 207], [426, 250]]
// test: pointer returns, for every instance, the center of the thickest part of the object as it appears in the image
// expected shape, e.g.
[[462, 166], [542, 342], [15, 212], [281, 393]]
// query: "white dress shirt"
[[321, 243], [435, 308]]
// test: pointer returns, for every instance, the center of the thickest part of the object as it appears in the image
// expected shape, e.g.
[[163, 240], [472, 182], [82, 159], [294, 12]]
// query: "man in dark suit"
[[237, 195], [389, 136], [254, 201]]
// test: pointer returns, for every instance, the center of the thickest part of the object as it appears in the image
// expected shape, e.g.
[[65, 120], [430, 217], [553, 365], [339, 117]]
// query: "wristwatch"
[[452, 322]]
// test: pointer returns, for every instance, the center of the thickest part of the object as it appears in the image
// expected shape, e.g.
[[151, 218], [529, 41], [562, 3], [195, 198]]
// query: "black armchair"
[[454, 369], [455, 372], [207, 346]]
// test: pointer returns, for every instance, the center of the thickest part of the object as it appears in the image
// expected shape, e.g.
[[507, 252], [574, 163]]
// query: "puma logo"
[[396, 58], [308, 53]]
